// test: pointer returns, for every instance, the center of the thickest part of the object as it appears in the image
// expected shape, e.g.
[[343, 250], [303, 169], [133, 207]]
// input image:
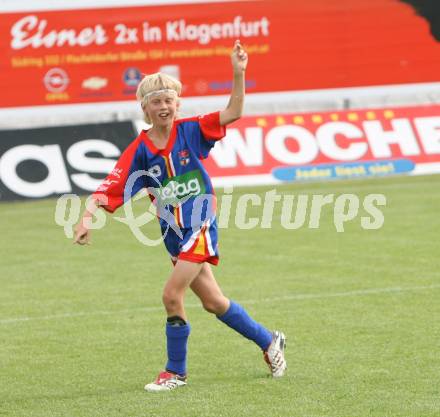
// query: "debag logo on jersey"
[[181, 187], [44, 162]]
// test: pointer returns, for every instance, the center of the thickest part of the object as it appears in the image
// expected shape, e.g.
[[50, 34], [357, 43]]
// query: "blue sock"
[[177, 337], [238, 319]]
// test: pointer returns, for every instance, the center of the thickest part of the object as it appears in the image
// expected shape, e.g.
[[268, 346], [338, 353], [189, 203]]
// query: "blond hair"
[[156, 82]]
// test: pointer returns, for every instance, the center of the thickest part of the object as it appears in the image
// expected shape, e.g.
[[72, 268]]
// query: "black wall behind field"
[[430, 10], [120, 134]]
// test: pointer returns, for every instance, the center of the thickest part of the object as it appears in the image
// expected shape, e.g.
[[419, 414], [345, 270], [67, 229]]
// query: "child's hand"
[[82, 234], [239, 57]]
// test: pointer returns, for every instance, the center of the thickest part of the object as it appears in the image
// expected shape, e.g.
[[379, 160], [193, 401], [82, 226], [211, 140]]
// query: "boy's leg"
[[207, 289], [177, 328], [235, 316], [184, 272], [229, 312]]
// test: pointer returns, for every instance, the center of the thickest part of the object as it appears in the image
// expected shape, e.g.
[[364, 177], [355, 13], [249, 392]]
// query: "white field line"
[[291, 297]]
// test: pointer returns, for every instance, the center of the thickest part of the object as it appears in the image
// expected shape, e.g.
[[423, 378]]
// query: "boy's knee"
[[216, 306], [171, 299]]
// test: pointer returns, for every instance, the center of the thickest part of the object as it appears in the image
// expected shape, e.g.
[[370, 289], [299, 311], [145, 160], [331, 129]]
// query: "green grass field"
[[82, 328]]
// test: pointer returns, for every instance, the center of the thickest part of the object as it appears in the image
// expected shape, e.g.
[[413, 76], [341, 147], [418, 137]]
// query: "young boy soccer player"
[[168, 157]]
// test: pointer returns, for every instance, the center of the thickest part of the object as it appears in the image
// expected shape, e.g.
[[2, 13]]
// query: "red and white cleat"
[[274, 355], [166, 381]]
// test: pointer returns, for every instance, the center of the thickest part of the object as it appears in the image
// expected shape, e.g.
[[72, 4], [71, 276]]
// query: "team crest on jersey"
[[184, 157]]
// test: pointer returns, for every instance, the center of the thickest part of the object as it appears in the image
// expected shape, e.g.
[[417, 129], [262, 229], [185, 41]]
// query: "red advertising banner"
[[268, 149], [322, 146], [96, 55]]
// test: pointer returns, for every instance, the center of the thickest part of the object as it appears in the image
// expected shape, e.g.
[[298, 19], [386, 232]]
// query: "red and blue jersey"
[[174, 177]]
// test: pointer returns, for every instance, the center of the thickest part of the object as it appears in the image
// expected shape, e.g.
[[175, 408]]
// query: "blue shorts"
[[198, 244]]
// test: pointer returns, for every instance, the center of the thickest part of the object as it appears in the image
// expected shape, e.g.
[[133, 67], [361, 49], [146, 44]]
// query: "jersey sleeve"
[[210, 132], [118, 186]]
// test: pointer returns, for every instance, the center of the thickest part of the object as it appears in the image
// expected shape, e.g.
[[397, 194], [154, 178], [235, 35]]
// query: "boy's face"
[[161, 108]]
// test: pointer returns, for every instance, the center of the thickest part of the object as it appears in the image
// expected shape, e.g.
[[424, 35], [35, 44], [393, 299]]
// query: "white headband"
[[165, 90]]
